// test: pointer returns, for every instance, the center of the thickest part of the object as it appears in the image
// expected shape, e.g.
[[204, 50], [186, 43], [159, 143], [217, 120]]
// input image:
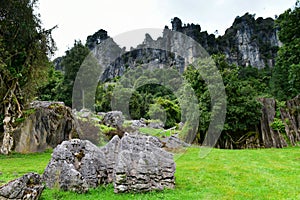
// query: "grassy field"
[[223, 174]]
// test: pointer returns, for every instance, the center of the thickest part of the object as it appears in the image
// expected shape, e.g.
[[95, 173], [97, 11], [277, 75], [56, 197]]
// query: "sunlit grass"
[[155, 132]]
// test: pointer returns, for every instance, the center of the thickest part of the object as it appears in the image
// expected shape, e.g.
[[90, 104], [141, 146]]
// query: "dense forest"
[[26, 73]]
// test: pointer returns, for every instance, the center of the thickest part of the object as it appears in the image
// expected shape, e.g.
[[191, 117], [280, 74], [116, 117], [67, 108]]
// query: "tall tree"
[[24, 46], [71, 63], [286, 74]]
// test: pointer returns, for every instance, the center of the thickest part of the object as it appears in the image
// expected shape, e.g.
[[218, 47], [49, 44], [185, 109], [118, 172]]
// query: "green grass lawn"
[[155, 132], [223, 174]]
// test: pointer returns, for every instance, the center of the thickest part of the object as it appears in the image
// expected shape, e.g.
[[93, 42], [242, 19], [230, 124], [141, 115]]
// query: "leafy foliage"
[[48, 91], [71, 63], [243, 109], [286, 74], [24, 50]]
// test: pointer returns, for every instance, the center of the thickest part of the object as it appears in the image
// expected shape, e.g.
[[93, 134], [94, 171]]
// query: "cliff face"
[[246, 42], [173, 49]]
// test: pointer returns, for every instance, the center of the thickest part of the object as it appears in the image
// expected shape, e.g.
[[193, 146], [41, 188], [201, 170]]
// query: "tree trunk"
[[8, 129], [7, 144], [12, 110]]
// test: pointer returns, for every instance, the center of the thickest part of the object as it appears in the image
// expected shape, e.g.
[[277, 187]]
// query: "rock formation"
[[28, 187], [48, 125], [248, 41], [270, 137], [290, 115], [142, 165], [114, 119], [174, 142], [134, 163], [76, 165]]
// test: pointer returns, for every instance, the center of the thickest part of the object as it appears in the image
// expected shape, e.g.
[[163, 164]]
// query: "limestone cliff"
[[248, 41]]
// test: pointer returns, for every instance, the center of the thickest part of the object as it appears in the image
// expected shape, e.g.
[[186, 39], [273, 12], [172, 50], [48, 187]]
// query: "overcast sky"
[[76, 19]]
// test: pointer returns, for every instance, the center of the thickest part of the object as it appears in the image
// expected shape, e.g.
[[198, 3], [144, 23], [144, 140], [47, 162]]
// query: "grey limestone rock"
[[134, 163], [142, 165], [76, 165], [114, 119], [48, 125], [174, 142], [27, 187]]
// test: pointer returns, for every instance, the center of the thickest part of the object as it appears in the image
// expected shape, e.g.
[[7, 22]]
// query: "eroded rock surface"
[[174, 142], [28, 187], [134, 163], [142, 165], [270, 137], [76, 165], [48, 125], [114, 119], [290, 115]]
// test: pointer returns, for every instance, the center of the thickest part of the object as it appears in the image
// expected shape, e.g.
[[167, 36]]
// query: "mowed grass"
[[222, 174]]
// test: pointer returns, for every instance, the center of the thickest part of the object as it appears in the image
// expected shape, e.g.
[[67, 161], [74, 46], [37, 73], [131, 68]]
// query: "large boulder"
[[114, 119], [142, 165], [46, 126], [133, 163], [28, 187], [76, 165]]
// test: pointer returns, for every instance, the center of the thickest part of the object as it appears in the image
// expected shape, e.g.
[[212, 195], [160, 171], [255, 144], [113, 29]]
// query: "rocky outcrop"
[[28, 187], [142, 165], [93, 40], [290, 116], [270, 137], [134, 163], [47, 125], [248, 41], [76, 165]]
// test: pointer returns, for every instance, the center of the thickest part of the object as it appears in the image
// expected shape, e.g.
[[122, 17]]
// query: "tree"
[[49, 90], [71, 63], [285, 80], [243, 109], [24, 46]]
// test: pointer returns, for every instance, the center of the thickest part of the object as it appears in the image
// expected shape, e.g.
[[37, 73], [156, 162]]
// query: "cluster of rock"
[[134, 163], [145, 123]]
